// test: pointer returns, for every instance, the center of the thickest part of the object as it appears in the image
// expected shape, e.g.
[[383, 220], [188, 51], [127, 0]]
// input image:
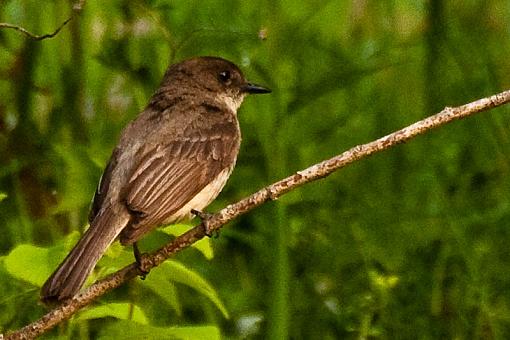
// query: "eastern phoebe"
[[175, 157]]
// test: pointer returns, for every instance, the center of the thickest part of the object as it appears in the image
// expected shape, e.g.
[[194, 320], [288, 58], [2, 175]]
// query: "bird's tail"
[[70, 276]]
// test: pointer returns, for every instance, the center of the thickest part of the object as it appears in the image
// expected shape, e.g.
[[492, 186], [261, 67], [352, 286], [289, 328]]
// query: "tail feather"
[[70, 276]]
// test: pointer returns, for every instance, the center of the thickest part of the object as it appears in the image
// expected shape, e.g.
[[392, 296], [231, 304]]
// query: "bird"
[[170, 162]]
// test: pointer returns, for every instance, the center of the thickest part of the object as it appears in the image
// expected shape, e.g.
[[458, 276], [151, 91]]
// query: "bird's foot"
[[205, 217], [141, 261]]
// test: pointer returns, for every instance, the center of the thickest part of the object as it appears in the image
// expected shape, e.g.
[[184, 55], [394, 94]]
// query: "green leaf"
[[175, 271], [159, 284], [29, 263], [3, 196], [130, 330], [204, 245], [34, 264], [122, 311]]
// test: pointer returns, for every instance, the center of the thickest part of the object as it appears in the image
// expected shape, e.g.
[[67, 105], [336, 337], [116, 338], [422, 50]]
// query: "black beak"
[[254, 89]]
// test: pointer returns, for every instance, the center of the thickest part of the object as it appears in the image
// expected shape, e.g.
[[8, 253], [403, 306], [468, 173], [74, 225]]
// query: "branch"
[[271, 192], [77, 7]]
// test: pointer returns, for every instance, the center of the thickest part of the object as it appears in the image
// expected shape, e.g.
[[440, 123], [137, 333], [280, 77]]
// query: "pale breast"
[[203, 198]]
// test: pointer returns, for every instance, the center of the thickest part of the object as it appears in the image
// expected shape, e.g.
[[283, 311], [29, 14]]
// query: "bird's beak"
[[254, 89]]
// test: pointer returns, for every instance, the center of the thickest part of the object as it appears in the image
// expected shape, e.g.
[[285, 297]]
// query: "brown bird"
[[175, 157]]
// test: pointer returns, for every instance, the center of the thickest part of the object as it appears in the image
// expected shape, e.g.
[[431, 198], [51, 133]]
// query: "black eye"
[[225, 76]]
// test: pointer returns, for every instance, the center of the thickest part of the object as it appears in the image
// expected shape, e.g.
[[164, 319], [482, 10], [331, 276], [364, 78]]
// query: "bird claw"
[[141, 261], [204, 217]]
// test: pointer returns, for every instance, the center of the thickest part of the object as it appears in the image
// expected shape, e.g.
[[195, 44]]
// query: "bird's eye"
[[225, 76]]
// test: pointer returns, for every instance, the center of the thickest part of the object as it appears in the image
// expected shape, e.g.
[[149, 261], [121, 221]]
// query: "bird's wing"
[[169, 175], [104, 184]]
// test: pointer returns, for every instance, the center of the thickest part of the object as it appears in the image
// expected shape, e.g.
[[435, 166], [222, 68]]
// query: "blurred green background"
[[411, 243]]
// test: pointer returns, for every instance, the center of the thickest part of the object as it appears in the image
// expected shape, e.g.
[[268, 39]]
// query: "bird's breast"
[[204, 197]]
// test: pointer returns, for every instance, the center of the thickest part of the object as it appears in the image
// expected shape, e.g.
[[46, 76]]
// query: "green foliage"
[[129, 330], [34, 265], [204, 245], [29, 263], [410, 243], [122, 311], [177, 272]]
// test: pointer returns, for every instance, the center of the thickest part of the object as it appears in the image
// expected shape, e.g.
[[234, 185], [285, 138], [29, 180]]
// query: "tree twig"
[[77, 7], [271, 192], [32, 35]]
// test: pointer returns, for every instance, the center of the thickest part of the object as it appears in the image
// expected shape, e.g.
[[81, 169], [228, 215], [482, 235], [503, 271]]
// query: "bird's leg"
[[204, 217], [140, 261]]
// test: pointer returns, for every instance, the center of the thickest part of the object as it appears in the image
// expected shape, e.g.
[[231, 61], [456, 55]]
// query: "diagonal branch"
[[32, 35], [76, 9], [271, 192]]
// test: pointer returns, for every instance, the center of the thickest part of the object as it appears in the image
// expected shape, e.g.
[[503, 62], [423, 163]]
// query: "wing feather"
[[170, 176]]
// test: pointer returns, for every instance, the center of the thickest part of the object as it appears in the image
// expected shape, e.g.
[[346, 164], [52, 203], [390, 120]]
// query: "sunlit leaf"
[[123, 311], [204, 245], [29, 263], [35, 264], [130, 330]]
